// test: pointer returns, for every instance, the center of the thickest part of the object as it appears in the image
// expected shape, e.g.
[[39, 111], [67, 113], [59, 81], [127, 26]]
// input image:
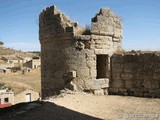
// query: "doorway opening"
[[35, 66], [28, 97], [102, 65]]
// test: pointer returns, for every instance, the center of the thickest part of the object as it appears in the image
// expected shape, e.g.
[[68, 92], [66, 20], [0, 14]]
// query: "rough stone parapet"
[[100, 83], [106, 23], [53, 22]]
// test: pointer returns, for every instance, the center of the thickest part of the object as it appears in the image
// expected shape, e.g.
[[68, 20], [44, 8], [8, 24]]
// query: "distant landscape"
[[19, 76], [18, 81]]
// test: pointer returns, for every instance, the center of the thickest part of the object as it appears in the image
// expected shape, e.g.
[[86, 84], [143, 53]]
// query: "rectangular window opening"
[[6, 100]]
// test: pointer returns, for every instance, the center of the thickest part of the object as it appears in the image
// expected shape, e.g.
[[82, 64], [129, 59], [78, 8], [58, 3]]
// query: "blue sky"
[[141, 20]]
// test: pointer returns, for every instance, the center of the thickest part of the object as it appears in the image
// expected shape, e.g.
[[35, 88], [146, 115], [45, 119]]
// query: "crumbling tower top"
[[52, 22], [107, 23]]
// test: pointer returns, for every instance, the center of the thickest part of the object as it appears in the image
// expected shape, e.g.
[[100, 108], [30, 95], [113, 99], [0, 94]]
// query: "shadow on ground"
[[41, 111]]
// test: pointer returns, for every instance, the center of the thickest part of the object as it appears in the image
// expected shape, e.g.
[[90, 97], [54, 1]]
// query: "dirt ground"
[[109, 107], [82, 106]]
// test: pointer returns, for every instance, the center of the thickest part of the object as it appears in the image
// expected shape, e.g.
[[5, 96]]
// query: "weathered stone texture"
[[107, 30], [66, 47], [84, 59], [136, 74]]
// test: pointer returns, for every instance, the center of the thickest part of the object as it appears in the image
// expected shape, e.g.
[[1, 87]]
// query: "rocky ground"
[[84, 106]]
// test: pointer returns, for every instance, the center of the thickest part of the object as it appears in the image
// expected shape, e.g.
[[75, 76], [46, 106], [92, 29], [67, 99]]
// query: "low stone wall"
[[136, 74]]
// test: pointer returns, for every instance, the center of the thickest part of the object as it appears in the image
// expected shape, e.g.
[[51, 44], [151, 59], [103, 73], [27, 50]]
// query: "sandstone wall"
[[69, 53], [107, 27], [136, 74]]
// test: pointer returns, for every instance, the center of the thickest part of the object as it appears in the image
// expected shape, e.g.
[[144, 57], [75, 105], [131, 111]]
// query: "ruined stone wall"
[[69, 53], [136, 74], [107, 32], [84, 59]]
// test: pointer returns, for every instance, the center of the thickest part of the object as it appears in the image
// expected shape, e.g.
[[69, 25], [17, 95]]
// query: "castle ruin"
[[86, 59]]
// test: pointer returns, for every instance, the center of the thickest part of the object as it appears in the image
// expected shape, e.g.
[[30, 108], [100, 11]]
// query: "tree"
[[1, 43]]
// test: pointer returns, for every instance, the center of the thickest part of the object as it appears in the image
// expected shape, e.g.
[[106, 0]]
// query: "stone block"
[[105, 91], [82, 37], [113, 90], [144, 90], [152, 90], [108, 33], [126, 76], [138, 94], [105, 85], [157, 70], [116, 84], [116, 39], [98, 92], [117, 33], [116, 66], [137, 83], [134, 89], [101, 81], [147, 95], [117, 58], [102, 51], [128, 84], [156, 76], [116, 71], [122, 91], [116, 76], [130, 71], [98, 46], [99, 42], [72, 74], [83, 72], [90, 63]]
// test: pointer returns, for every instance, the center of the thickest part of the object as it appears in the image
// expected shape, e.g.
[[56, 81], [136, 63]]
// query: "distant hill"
[[8, 51]]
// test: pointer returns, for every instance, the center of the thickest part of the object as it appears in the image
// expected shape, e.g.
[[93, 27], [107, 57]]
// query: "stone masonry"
[[136, 74], [70, 54], [85, 59]]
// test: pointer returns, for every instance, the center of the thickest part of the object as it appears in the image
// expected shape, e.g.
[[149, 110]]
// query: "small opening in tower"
[[102, 66]]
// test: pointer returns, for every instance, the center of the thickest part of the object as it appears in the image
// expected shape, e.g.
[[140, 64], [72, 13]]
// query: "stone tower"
[[75, 57]]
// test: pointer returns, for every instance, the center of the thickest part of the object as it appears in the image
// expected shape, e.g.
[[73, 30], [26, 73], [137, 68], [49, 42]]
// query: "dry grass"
[[83, 30], [119, 51], [18, 81]]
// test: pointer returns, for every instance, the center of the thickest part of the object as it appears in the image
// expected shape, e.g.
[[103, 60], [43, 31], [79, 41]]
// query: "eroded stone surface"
[[136, 74], [66, 47]]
